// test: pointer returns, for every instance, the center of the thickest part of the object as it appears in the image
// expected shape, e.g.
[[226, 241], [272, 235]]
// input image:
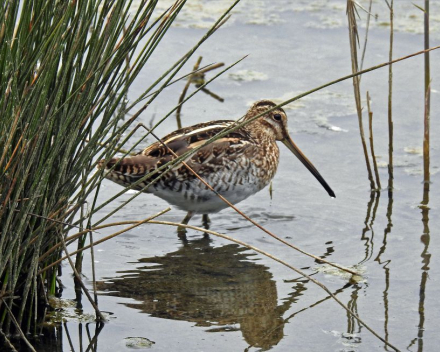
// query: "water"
[[207, 294]]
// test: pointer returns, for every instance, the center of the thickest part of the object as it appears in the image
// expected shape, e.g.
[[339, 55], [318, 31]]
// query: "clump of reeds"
[[60, 64], [66, 67]]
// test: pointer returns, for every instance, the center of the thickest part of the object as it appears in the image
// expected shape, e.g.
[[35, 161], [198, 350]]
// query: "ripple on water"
[[318, 107], [248, 76]]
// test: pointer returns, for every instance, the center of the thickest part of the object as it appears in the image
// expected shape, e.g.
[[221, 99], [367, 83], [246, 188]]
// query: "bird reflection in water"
[[217, 287]]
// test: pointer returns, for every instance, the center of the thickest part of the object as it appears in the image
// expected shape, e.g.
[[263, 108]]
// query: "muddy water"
[[207, 294]]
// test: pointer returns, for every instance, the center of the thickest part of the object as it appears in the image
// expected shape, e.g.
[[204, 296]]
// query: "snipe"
[[237, 165]]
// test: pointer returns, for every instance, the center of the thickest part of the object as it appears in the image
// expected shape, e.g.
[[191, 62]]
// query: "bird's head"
[[274, 124]]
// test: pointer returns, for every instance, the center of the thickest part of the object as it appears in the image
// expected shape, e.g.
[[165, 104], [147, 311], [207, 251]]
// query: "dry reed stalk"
[[185, 89], [196, 77], [426, 157], [390, 105], [354, 40], [366, 34], [373, 156]]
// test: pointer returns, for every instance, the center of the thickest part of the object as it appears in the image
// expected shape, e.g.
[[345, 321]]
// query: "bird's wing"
[[204, 160]]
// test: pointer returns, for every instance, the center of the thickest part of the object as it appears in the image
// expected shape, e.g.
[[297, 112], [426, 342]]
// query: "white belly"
[[202, 201], [194, 196]]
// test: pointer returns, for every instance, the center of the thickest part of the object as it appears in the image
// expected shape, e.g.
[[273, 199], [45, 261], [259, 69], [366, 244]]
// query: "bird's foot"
[[181, 233]]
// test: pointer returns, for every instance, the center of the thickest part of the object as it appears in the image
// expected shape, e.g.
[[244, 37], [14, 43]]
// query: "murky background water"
[[211, 295]]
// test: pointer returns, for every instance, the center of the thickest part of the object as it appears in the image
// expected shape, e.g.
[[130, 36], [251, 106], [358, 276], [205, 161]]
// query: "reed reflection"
[[220, 288], [353, 336], [52, 338], [372, 206], [370, 217], [386, 269], [426, 259]]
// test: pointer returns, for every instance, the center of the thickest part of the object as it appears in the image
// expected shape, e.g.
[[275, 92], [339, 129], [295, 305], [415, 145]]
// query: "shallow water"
[[207, 294]]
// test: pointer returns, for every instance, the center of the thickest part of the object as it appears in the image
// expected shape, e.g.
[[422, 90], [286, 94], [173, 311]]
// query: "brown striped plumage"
[[236, 165]]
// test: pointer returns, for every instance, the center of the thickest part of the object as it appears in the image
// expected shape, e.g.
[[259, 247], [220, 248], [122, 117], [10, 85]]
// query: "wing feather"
[[207, 159]]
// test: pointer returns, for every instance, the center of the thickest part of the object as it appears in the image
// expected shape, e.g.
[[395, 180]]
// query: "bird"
[[236, 165]]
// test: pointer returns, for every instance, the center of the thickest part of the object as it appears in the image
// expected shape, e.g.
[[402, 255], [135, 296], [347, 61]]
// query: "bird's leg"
[[181, 231], [206, 221]]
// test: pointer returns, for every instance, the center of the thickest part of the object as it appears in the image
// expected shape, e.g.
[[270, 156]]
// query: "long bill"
[[307, 163]]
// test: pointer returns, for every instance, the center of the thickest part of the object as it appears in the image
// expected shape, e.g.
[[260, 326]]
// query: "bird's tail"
[[125, 171]]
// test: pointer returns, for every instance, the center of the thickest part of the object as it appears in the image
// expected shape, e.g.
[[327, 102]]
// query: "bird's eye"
[[277, 117]]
